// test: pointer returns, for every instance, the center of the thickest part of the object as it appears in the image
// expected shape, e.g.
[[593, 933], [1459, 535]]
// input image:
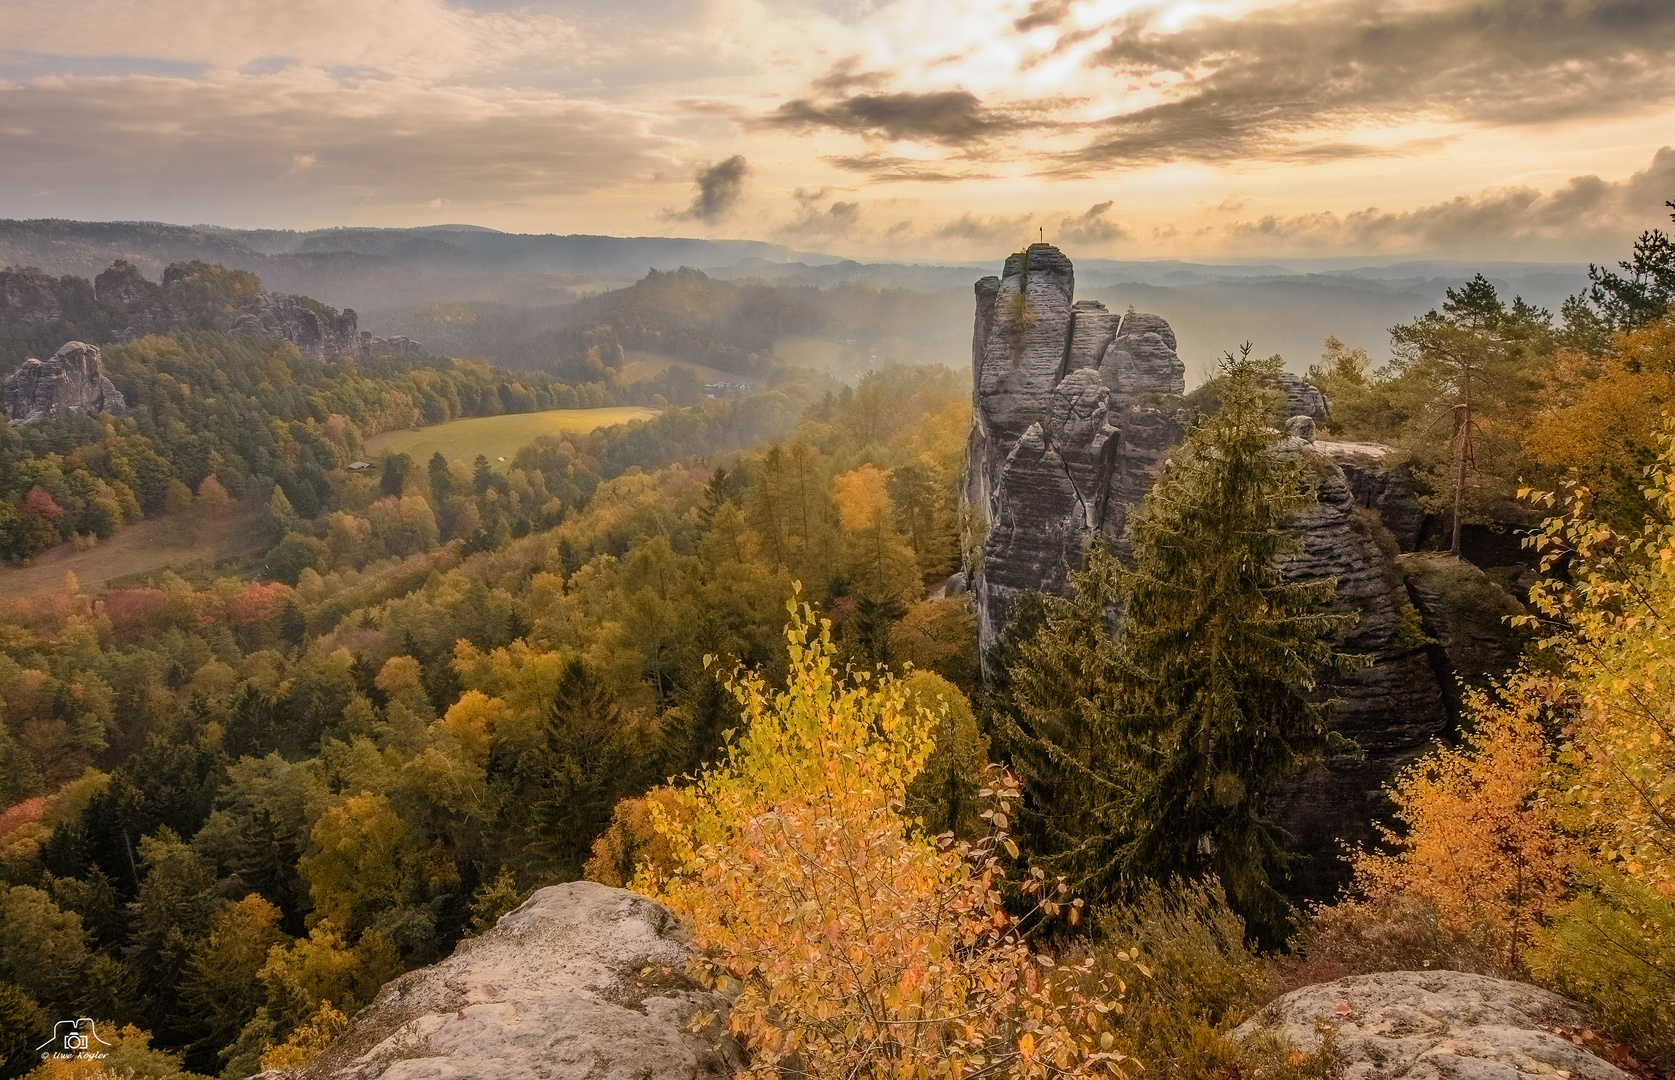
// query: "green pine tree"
[[1153, 754], [19, 778], [281, 518], [586, 761]]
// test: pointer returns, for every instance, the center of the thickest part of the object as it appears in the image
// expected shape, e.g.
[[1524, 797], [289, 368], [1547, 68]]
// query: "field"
[[832, 357], [232, 546], [642, 366], [498, 437]]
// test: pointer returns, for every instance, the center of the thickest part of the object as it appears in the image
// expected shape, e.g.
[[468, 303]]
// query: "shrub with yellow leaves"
[[307, 1041], [1613, 944], [1481, 843], [854, 945]]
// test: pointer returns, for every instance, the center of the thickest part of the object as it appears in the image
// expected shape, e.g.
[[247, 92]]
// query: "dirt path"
[[231, 546]]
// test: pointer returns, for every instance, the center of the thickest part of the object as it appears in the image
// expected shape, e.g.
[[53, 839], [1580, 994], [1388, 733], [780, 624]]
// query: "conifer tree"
[[584, 764], [1152, 754], [281, 518], [441, 478]]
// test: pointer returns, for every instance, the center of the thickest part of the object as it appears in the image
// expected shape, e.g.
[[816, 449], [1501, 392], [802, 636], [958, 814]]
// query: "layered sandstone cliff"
[[1077, 407]]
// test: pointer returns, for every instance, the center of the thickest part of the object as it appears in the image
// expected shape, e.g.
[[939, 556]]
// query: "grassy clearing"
[[843, 360], [230, 547], [643, 366], [498, 436]]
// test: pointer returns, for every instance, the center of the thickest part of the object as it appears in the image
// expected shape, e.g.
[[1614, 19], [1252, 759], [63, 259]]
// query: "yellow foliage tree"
[[849, 938], [471, 720], [1600, 418], [879, 560], [1618, 599], [1481, 844], [364, 861]]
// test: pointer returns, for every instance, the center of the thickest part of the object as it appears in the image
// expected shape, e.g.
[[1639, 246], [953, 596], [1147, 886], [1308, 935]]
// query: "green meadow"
[[498, 437]]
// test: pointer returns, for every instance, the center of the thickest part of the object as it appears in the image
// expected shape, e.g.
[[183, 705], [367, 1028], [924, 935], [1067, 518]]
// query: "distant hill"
[[509, 296], [369, 268]]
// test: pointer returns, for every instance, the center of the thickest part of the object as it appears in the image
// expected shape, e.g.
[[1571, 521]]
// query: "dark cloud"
[[845, 77], [884, 168], [719, 187], [1259, 85], [1043, 13], [1091, 227], [950, 117], [1586, 214]]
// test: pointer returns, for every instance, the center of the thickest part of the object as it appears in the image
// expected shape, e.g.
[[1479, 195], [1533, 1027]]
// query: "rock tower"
[[1076, 408], [70, 383]]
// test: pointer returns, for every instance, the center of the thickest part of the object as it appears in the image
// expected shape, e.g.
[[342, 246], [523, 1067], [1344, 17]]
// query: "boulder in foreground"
[[1434, 1025], [582, 981]]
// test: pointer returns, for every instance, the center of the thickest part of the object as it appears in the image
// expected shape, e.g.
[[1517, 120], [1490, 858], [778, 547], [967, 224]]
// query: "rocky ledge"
[[1434, 1025], [583, 982], [70, 384]]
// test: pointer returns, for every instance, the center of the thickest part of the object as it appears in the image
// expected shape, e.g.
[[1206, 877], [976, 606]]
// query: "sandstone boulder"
[[70, 384], [1302, 398], [583, 982], [1434, 1025], [390, 346]]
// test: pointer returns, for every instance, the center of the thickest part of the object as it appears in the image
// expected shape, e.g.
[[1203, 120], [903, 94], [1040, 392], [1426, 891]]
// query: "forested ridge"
[[700, 655], [245, 412]]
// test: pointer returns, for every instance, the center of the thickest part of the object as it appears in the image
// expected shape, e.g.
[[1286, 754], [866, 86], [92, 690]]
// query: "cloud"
[[719, 188], [301, 144], [1583, 216], [949, 117], [882, 168], [421, 38], [835, 221], [1269, 82], [995, 229], [1090, 228]]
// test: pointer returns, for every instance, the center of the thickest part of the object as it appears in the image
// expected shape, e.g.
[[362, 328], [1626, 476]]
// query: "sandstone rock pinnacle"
[[71, 383], [1076, 409]]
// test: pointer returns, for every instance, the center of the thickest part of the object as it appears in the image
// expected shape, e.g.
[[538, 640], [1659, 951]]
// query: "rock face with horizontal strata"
[[1076, 409], [70, 384], [583, 982]]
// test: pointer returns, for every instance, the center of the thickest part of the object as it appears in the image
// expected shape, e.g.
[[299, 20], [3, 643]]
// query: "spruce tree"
[[587, 759], [1153, 754]]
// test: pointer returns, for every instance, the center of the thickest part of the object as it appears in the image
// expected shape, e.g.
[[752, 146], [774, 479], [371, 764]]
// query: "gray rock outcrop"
[[70, 384], [1302, 397], [583, 982], [1075, 407], [1434, 1025], [1075, 411], [313, 328], [390, 346]]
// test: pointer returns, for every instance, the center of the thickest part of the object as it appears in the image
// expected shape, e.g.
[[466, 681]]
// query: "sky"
[[918, 130]]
